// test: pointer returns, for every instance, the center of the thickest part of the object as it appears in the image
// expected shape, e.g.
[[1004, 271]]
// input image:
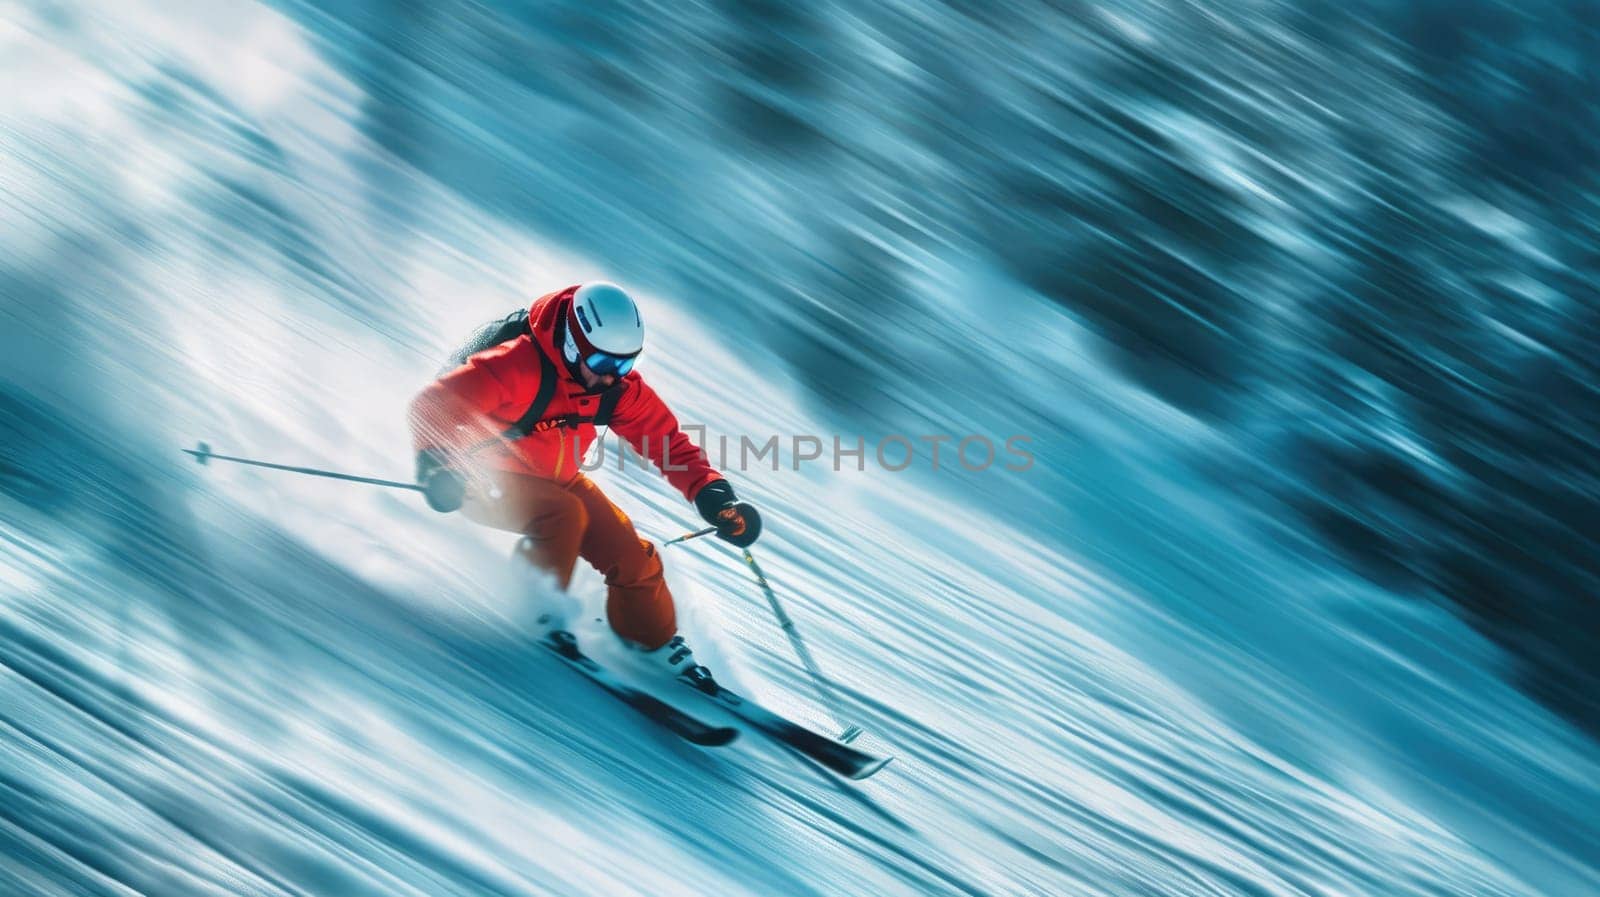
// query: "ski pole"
[[690, 535], [828, 698], [202, 453]]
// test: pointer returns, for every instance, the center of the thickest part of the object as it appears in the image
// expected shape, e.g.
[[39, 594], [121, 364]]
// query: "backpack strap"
[[608, 403], [529, 422]]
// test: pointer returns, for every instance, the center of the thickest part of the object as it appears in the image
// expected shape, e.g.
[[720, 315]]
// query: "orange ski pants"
[[564, 523]]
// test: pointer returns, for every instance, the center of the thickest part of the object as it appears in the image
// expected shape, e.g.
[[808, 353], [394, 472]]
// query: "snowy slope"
[[1097, 678]]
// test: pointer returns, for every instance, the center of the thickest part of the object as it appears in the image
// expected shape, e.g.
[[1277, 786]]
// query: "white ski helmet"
[[604, 329]]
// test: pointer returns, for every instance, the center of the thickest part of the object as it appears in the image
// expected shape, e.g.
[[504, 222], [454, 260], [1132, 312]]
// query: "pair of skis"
[[833, 755], [840, 758]]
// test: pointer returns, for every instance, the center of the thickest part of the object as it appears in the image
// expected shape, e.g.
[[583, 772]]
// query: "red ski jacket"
[[468, 411]]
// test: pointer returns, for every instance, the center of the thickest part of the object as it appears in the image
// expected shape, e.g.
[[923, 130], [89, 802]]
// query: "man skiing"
[[501, 433]]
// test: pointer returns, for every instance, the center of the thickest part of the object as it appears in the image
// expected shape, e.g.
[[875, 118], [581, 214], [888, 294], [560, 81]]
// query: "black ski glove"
[[736, 521], [443, 487]]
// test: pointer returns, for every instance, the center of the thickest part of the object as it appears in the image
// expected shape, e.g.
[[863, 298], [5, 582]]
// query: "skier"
[[500, 434]]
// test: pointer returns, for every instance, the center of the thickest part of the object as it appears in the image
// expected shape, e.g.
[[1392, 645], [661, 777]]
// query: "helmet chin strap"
[[569, 354], [569, 347]]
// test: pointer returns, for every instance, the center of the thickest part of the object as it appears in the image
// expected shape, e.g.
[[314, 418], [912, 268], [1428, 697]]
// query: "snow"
[[1094, 678]]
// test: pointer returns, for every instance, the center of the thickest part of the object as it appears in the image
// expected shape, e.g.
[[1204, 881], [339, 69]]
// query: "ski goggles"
[[603, 363]]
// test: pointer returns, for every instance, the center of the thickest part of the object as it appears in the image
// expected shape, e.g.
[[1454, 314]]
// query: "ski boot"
[[676, 659], [564, 643]]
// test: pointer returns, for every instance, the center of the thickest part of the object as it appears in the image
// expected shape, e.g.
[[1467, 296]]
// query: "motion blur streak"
[[1296, 302]]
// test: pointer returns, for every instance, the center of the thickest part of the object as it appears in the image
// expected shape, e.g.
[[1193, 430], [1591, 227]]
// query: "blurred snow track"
[[264, 223]]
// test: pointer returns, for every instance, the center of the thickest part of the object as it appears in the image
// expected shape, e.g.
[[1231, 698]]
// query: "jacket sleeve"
[[454, 414], [645, 421]]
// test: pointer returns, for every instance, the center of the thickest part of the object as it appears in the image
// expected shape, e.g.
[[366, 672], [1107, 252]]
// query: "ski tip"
[[871, 768]]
